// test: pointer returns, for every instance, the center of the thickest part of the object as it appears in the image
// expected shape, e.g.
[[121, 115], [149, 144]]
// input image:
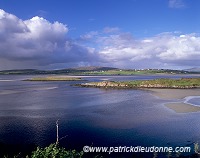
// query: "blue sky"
[[52, 34]]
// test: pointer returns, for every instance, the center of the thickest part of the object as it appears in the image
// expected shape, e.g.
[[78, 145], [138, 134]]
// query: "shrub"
[[54, 151]]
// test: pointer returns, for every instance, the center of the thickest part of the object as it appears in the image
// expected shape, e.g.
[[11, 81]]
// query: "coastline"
[[180, 90], [161, 83], [181, 106], [175, 93]]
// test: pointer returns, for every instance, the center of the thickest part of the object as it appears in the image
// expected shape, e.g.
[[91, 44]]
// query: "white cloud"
[[41, 28], [37, 42], [176, 4], [163, 49], [11, 24]]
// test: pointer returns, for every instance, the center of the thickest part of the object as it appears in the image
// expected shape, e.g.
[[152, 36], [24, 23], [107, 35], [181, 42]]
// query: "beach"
[[179, 106], [182, 107]]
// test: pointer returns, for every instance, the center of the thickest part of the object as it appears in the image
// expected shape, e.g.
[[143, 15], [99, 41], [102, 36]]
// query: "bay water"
[[90, 116]]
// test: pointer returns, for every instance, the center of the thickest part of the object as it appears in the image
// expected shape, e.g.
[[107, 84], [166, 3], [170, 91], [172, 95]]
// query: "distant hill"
[[78, 70], [23, 71], [196, 69], [94, 68]]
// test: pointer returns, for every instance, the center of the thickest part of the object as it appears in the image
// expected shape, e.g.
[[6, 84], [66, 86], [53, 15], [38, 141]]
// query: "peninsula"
[[183, 83]]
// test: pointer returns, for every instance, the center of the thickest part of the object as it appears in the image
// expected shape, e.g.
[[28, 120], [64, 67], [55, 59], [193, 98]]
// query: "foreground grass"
[[52, 151], [156, 83], [54, 78]]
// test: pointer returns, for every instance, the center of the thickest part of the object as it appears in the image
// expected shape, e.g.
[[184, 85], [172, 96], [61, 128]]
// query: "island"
[[54, 78], [183, 83]]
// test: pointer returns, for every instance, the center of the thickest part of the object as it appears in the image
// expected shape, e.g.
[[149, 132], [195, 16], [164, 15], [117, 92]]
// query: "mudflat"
[[182, 107], [175, 93], [178, 107]]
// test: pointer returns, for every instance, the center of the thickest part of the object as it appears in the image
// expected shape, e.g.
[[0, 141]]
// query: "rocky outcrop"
[[105, 84], [112, 84]]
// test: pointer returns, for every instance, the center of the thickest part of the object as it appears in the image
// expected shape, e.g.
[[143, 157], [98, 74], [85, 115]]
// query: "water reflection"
[[29, 110]]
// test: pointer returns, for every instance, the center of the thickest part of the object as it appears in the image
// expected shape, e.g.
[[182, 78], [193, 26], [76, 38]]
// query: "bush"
[[54, 151]]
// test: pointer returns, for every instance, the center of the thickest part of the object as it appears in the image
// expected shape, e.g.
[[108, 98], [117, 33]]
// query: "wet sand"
[[175, 93], [182, 107], [179, 107]]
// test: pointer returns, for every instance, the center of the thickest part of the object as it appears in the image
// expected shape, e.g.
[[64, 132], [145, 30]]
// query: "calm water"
[[90, 116]]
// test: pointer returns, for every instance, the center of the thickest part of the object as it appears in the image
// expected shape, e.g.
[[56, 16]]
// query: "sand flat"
[[182, 107], [175, 93], [178, 107]]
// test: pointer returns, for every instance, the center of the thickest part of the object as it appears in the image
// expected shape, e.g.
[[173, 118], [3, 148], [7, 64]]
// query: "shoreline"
[[174, 93], [180, 91], [161, 83], [182, 107], [179, 106]]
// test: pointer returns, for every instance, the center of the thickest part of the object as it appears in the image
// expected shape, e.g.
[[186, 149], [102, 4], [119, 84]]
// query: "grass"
[[54, 78], [54, 150], [51, 151], [156, 83], [167, 82]]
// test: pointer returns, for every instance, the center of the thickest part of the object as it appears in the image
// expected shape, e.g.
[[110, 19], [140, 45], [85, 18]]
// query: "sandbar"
[[175, 93], [182, 107], [178, 107]]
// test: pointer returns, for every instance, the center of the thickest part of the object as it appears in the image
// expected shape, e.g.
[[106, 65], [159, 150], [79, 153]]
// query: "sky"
[[135, 34]]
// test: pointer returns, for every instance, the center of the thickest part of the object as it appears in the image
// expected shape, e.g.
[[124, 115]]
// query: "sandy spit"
[[175, 93], [182, 107], [178, 107]]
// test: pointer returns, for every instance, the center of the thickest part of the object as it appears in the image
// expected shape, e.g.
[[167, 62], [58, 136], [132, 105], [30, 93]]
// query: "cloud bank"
[[38, 43], [163, 50]]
